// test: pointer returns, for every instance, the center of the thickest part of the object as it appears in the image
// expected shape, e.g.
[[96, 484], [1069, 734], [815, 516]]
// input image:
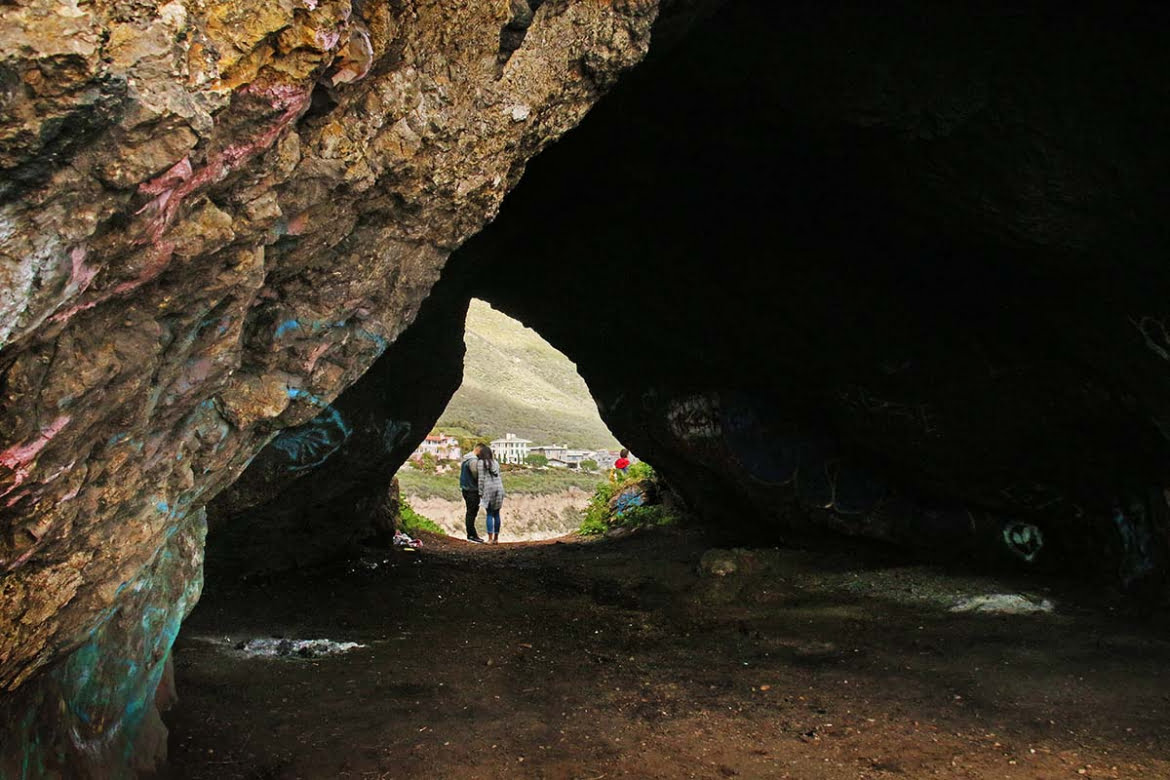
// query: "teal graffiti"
[[628, 500], [310, 329], [308, 446], [1024, 540], [1137, 558]]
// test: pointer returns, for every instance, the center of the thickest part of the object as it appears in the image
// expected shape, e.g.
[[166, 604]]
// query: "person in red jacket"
[[622, 464]]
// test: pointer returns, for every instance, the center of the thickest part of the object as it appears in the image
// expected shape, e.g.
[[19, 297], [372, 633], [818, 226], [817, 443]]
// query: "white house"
[[511, 449], [439, 446], [605, 459], [550, 451], [575, 457]]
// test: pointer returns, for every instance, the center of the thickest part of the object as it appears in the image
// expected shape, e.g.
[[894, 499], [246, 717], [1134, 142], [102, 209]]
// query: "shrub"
[[411, 522], [643, 516], [536, 459], [428, 463], [599, 517], [589, 465], [640, 470], [597, 513]]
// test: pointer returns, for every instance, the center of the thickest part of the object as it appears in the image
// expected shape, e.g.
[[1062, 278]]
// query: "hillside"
[[515, 381]]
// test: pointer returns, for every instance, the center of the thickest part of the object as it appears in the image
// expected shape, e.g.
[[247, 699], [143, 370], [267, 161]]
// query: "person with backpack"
[[469, 486], [491, 492]]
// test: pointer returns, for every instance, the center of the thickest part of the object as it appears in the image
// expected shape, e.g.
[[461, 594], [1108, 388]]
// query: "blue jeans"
[[493, 521]]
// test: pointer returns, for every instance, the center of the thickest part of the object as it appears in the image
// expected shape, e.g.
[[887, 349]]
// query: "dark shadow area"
[[848, 281], [631, 656]]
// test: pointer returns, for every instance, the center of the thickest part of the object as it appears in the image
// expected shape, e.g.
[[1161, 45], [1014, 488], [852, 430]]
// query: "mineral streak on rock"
[[214, 216]]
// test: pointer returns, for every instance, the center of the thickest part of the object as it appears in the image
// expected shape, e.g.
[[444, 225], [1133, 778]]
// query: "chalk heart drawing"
[[1023, 539]]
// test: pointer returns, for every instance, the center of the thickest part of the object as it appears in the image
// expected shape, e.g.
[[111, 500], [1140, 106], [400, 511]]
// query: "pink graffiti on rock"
[[19, 457]]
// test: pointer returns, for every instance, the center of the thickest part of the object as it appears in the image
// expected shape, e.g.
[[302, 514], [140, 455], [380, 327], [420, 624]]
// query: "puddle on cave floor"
[[589, 659]]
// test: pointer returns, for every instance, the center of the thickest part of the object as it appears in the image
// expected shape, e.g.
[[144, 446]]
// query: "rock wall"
[[214, 216], [320, 488]]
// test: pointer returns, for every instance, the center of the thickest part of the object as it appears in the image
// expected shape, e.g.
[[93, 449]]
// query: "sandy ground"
[[524, 517], [618, 658]]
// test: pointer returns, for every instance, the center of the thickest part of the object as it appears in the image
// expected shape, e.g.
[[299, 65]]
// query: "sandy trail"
[[575, 659]]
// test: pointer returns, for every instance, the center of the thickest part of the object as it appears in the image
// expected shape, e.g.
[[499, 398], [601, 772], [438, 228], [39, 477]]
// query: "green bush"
[[591, 526], [536, 459], [640, 470], [597, 512], [598, 519], [643, 516], [589, 465], [411, 522]]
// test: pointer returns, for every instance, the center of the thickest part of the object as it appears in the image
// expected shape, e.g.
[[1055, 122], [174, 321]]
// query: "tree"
[[589, 465], [428, 463], [536, 459]]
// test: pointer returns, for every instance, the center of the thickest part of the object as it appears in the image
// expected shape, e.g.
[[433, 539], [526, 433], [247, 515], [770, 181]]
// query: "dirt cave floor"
[[625, 658]]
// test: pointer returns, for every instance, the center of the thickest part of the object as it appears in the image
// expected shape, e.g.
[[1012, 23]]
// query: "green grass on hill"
[[540, 483], [516, 382]]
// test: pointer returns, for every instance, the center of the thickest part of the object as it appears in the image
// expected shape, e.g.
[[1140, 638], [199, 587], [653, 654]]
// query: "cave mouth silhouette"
[[849, 277], [524, 398]]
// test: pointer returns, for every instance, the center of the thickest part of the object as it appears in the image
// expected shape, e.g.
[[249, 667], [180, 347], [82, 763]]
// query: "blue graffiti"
[[108, 684], [765, 455], [222, 323], [379, 342], [285, 327], [308, 446], [297, 394], [627, 500], [1025, 540], [395, 434], [1137, 560], [314, 328]]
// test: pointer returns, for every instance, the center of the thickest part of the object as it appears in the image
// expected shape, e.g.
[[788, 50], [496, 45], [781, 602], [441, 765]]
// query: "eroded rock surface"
[[214, 216]]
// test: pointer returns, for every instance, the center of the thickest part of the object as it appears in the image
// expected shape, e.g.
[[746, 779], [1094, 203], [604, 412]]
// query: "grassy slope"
[[419, 483], [515, 381]]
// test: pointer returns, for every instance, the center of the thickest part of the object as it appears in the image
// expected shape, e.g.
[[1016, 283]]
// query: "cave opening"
[[525, 400]]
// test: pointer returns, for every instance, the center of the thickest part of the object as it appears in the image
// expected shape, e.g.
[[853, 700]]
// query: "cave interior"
[[832, 285], [842, 275]]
